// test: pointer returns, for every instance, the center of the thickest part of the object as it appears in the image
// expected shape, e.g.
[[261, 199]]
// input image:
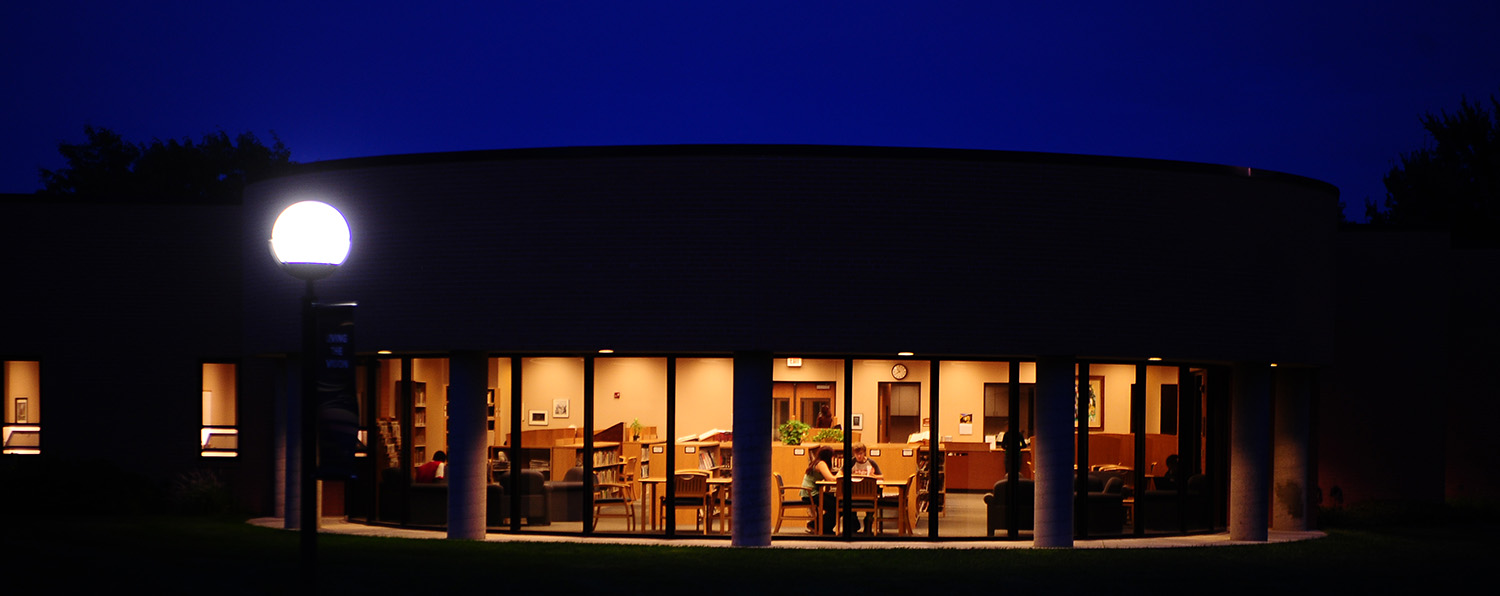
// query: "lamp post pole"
[[309, 240], [309, 482]]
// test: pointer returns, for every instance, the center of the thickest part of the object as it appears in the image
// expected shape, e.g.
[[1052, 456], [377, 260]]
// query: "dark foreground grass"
[[214, 556]]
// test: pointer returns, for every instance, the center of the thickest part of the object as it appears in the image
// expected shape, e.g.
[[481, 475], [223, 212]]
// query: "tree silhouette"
[[1454, 184], [213, 170]]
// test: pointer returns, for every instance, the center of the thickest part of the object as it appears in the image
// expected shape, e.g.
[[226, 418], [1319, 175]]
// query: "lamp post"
[[309, 239]]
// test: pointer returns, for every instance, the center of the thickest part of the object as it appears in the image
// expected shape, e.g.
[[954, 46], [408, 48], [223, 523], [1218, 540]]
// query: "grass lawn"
[[1364, 554]]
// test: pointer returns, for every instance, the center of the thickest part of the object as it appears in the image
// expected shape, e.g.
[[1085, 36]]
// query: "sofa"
[[997, 505], [1173, 511], [1105, 505], [428, 502], [565, 497]]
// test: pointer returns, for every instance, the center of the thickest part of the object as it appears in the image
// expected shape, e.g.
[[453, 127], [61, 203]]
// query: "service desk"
[[976, 467]]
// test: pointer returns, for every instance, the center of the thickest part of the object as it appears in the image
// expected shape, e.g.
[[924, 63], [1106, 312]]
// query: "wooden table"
[[904, 526], [719, 486], [904, 523]]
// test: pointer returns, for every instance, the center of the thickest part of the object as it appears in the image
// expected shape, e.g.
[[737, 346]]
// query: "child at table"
[[864, 466], [820, 467]]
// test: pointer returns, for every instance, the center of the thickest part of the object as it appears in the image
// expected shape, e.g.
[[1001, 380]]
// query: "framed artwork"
[[23, 410], [856, 421], [538, 418], [560, 408], [1096, 402]]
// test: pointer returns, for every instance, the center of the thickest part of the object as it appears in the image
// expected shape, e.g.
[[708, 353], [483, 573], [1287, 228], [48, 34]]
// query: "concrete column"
[[467, 459], [1052, 452], [752, 449], [278, 440], [291, 428], [1250, 452], [1292, 506]]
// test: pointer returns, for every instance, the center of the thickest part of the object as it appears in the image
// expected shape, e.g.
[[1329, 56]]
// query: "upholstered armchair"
[[997, 505]]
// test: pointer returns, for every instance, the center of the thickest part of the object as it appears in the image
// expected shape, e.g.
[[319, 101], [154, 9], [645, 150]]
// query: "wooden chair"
[[792, 502], [863, 496], [616, 494], [724, 507], [691, 487], [901, 506]]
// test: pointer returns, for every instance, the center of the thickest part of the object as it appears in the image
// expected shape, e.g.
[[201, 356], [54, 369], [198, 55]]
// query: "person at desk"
[[825, 419], [821, 468], [864, 466], [434, 470], [1168, 481]]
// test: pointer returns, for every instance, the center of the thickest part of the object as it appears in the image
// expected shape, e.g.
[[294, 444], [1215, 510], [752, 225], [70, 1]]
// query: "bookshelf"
[[418, 420], [390, 438], [607, 459], [711, 455]]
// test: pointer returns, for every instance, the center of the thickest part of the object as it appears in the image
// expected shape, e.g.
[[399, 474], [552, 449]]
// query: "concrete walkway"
[[339, 526]]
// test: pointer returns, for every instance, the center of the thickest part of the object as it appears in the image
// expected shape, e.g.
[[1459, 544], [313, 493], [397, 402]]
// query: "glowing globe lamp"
[[310, 239]]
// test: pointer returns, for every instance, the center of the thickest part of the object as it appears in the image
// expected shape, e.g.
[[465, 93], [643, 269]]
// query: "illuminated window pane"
[[219, 435], [22, 433]]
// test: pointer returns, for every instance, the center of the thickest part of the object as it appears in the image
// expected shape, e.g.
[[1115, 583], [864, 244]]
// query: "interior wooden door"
[[900, 411]]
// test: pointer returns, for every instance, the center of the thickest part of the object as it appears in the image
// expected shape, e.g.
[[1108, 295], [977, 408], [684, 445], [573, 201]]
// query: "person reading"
[[434, 470], [864, 466], [820, 467]]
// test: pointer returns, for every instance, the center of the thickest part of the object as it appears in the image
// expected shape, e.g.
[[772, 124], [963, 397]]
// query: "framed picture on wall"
[[560, 408], [22, 410], [538, 418], [856, 421], [1096, 402]]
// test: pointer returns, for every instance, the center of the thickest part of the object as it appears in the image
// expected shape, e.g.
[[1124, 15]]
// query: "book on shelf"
[[716, 434]]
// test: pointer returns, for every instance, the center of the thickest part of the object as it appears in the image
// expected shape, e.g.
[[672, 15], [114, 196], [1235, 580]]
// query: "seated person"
[[1169, 480], [864, 466], [820, 467], [434, 470]]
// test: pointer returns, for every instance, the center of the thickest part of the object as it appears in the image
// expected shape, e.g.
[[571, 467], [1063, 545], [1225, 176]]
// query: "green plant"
[[635, 428], [791, 432], [828, 435], [200, 492]]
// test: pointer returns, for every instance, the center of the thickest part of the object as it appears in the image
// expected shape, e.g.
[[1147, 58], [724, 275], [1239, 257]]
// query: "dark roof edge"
[[829, 151]]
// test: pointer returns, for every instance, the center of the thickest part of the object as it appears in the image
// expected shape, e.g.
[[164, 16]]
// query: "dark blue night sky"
[[1331, 90]]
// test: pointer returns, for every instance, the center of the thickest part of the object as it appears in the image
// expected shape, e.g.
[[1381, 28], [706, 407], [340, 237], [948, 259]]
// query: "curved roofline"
[[789, 150]]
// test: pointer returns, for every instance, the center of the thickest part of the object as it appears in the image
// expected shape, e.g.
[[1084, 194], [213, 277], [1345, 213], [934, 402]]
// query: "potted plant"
[[828, 435], [791, 432], [635, 429]]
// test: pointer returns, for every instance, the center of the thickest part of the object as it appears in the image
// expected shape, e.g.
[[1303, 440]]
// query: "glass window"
[[391, 435], [219, 435], [23, 407]]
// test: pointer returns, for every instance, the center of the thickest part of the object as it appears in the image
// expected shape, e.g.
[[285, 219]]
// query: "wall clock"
[[899, 371]]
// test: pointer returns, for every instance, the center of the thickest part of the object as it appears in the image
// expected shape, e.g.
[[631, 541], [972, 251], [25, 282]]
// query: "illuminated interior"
[[888, 410], [219, 435], [22, 432]]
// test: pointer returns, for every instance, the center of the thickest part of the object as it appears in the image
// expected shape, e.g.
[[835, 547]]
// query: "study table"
[[903, 490], [719, 487]]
